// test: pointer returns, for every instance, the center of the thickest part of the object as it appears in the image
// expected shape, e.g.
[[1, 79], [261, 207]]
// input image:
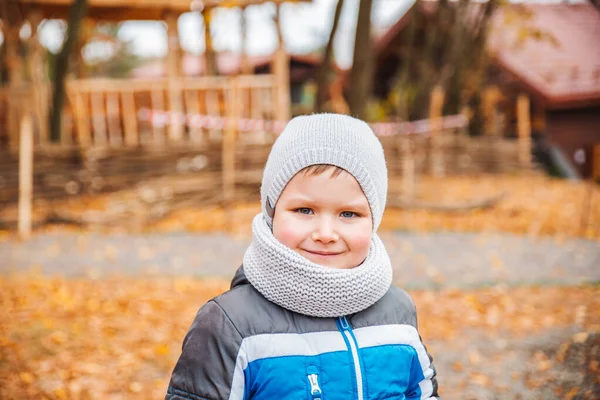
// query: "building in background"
[[559, 68], [550, 52]]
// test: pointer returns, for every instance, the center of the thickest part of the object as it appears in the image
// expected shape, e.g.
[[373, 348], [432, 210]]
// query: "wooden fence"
[[235, 159], [104, 112], [108, 145], [222, 172]]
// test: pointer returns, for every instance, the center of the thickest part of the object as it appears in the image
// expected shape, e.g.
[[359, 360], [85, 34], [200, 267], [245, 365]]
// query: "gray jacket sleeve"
[[205, 368], [414, 391]]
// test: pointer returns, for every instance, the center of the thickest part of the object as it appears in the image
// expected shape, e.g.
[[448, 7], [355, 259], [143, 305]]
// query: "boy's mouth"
[[322, 253]]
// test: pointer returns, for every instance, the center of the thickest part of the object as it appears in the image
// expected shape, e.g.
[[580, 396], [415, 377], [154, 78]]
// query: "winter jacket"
[[242, 346]]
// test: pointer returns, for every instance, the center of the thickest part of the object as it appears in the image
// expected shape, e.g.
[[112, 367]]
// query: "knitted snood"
[[297, 284]]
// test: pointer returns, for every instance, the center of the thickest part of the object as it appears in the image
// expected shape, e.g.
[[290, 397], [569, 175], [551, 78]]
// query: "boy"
[[311, 313]]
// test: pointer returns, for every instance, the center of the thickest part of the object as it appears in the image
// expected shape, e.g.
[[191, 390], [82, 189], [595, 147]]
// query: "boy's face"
[[324, 218]]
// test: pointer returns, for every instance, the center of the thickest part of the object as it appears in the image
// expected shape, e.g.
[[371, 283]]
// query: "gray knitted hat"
[[333, 139]]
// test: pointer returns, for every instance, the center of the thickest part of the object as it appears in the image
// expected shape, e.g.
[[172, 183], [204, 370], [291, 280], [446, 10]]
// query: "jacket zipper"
[[347, 332], [315, 390]]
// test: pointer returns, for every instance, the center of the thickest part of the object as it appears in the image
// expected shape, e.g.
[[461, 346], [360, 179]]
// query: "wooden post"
[[491, 96], [228, 154], [269, 104], [113, 117], [190, 98], [157, 101], [129, 118], [211, 101], [14, 64], [209, 53], [81, 115], [98, 118], [586, 207], [524, 130], [588, 200], [281, 69], [435, 114], [256, 107], [246, 68], [87, 28], [408, 166], [174, 71], [25, 176], [596, 163], [39, 77]]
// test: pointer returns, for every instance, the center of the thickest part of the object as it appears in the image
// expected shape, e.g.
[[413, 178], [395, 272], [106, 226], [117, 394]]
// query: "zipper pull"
[[344, 323], [315, 390]]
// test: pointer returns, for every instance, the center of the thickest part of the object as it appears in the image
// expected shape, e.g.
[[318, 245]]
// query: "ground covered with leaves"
[[119, 338], [98, 336], [532, 204]]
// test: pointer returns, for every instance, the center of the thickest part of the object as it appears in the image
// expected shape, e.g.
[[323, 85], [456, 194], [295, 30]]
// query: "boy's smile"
[[325, 218]]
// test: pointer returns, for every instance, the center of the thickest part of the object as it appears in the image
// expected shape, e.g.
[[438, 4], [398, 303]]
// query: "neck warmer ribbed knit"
[[297, 284]]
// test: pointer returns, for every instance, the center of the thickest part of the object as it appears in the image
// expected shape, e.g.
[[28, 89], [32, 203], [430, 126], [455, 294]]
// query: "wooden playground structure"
[[100, 111]]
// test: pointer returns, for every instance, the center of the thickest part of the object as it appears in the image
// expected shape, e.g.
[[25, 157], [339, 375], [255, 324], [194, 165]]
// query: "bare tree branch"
[[361, 74], [322, 81]]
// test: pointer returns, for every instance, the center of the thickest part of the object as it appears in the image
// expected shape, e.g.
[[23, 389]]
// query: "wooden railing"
[[105, 112]]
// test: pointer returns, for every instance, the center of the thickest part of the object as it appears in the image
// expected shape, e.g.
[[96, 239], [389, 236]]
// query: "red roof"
[[561, 65], [561, 68]]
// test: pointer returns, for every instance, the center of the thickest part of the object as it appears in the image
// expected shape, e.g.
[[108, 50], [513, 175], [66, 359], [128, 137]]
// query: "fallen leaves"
[[91, 339], [582, 355], [580, 337], [120, 337], [535, 205]]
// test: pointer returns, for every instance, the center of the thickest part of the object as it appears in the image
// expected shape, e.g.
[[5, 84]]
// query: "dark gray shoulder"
[[252, 314], [398, 295], [395, 307]]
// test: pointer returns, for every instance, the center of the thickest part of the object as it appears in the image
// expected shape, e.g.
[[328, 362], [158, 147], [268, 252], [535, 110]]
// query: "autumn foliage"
[[117, 338], [120, 338]]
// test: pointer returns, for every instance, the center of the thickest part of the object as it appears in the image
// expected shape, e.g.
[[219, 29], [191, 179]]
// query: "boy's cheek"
[[361, 240], [288, 233]]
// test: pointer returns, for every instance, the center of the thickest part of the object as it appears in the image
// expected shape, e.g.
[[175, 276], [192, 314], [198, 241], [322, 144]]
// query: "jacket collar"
[[239, 278]]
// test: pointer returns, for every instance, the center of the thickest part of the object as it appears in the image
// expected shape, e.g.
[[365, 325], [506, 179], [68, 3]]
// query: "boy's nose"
[[325, 232]]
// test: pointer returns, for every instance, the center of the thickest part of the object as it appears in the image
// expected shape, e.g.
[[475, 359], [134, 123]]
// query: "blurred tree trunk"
[[361, 74], [404, 95], [323, 72], [445, 47], [76, 14], [210, 56], [467, 54]]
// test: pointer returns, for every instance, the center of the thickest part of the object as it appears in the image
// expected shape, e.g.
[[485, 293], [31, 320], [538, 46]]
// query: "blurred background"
[[133, 134]]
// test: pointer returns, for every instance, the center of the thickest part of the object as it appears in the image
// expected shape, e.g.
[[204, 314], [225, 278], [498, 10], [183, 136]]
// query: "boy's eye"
[[304, 210], [348, 214]]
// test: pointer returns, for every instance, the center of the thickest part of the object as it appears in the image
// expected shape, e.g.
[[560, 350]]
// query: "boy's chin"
[[330, 261]]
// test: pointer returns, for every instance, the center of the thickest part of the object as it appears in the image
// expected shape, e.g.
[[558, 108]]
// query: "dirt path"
[[420, 260]]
